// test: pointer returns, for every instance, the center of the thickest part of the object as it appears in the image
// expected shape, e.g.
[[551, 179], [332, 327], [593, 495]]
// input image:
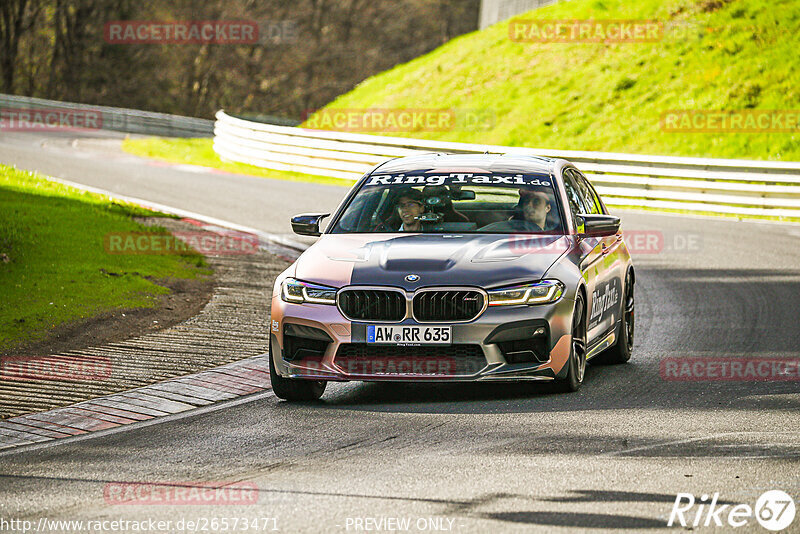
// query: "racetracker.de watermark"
[[637, 241], [732, 121], [394, 366], [58, 368], [181, 493], [658, 242], [400, 120], [227, 243], [585, 31], [406, 365], [726, 369], [33, 119], [220, 32], [235, 523]]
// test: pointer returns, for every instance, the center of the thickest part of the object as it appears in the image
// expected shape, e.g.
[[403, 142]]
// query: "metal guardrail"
[[725, 186], [493, 11], [116, 119]]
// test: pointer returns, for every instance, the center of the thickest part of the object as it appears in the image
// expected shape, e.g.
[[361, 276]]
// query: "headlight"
[[543, 292], [298, 292]]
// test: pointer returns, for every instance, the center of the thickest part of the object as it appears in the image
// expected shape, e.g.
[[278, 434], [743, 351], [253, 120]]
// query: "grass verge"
[[54, 269]]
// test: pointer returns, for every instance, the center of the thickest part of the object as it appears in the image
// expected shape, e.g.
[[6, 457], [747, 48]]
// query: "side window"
[[590, 199], [576, 202], [600, 208]]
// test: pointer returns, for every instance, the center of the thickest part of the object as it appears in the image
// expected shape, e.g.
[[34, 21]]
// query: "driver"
[[409, 207], [533, 207]]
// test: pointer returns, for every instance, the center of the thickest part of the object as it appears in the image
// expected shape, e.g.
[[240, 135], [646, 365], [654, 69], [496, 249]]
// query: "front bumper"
[[480, 350]]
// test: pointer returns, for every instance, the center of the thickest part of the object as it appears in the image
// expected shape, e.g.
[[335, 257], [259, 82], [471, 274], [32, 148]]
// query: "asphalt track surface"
[[476, 457]]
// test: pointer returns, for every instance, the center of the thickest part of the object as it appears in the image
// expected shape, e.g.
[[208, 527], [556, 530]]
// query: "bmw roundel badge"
[[412, 278]]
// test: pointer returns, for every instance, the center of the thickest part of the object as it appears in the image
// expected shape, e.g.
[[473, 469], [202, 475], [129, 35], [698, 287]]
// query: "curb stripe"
[[179, 395]]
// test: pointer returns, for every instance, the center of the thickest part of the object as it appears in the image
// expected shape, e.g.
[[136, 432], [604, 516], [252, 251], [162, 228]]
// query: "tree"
[[16, 18], [56, 49]]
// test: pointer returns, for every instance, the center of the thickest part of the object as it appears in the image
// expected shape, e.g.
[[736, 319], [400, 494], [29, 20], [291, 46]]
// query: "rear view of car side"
[[455, 268]]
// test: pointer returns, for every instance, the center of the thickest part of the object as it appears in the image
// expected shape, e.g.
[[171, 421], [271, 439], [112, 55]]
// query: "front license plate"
[[409, 335]]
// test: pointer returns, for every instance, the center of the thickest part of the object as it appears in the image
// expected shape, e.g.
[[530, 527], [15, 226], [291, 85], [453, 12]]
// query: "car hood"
[[450, 260]]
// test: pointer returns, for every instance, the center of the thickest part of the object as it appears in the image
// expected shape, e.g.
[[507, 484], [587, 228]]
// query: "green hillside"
[[713, 55]]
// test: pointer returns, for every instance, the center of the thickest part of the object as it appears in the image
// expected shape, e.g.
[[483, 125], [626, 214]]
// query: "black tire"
[[576, 369], [621, 351], [294, 389]]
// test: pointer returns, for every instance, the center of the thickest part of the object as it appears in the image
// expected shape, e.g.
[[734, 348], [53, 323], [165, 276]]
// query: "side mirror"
[[308, 224], [598, 225]]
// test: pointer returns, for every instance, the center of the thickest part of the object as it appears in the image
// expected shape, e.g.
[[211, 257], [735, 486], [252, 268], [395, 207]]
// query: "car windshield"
[[465, 202]]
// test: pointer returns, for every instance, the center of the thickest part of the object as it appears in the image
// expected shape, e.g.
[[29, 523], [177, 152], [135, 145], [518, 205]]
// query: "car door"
[[606, 295], [591, 249]]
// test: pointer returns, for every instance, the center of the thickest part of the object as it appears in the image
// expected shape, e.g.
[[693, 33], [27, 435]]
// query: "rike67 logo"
[[774, 510]]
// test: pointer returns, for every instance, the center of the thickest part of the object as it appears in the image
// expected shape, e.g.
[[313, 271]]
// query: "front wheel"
[[577, 356], [294, 389]]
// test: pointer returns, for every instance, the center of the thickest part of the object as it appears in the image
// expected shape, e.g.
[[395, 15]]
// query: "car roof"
[[504, 163]]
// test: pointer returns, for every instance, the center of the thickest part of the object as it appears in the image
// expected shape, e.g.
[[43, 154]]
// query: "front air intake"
[[450, 305], [372, 305]]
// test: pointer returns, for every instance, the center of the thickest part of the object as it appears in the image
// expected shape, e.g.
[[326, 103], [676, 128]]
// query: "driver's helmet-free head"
[[409, 193], [526, 194]]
